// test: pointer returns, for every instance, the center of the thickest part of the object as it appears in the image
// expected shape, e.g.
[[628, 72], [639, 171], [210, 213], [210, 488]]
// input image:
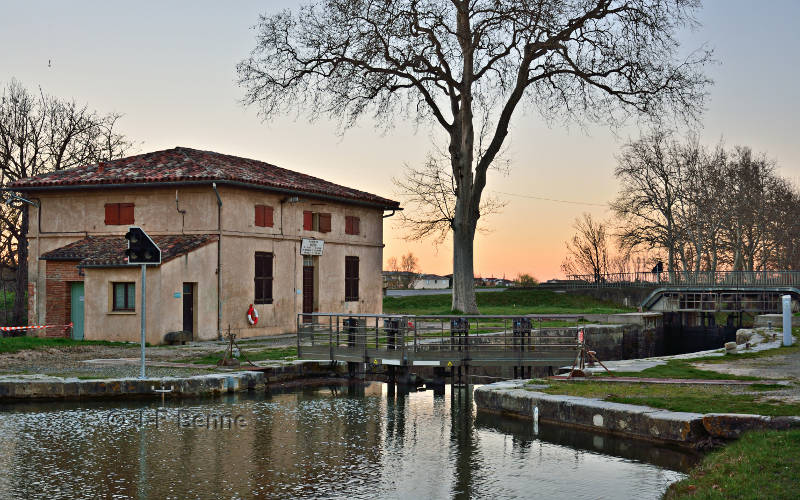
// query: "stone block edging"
[[640, 422]]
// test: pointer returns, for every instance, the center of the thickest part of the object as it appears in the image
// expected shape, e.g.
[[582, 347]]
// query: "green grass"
[[678, 368], [758, 465], [277, 353], [508, 302], [684, 397], [16, 344]]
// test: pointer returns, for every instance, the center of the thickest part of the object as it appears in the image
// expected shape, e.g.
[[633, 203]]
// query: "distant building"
[[431, 282], [398, 280]]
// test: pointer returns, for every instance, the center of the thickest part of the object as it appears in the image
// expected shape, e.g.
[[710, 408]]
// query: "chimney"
[[100, 166]]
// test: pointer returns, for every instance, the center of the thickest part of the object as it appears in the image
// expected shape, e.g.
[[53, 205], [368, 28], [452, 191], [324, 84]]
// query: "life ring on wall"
[[252, 315]]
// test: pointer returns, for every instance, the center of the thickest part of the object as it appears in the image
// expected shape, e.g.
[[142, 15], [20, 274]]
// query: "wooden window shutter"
[[112, 214], [126, 213], [324, 223], [308, 220], [268, 216], [259, 215], [356, 225], [348, 225]]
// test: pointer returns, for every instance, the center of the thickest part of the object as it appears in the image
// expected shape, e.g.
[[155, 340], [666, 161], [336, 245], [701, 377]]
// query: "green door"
[[76, 308]]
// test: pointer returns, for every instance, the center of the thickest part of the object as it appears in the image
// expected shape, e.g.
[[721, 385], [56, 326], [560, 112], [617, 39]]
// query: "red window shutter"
[[260, 215], [268, 216], [324, 223], [356, 225], [126, 213], [348, 225], [112, 214], [308, 221]]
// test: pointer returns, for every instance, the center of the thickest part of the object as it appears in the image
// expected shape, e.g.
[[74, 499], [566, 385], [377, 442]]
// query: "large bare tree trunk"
[[463, 270], [20, 296]]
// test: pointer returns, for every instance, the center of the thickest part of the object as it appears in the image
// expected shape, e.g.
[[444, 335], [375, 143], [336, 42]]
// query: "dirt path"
[[769, 367], [71, 360]]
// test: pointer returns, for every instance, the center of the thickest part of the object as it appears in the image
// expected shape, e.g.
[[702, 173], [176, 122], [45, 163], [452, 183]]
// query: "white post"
[[144, 315], [787, 320]]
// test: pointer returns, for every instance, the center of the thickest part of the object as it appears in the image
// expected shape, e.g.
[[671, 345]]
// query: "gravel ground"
[[72, 361]]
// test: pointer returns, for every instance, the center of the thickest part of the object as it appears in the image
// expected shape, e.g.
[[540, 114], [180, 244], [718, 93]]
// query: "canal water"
[[358, 441]]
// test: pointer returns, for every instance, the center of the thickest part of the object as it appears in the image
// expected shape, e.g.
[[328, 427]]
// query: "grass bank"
[[16, 344], [696, 398], [507, 302], [277, 353], [678, 368], [758, 465]]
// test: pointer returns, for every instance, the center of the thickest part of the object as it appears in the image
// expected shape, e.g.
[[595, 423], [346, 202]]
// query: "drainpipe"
[[219, 261]]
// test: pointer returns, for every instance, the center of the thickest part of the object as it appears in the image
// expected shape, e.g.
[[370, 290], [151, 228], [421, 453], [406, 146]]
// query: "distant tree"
[[392, 265], [526, 280], [39, 134], [409, 263], [466, 66], [587, 251]]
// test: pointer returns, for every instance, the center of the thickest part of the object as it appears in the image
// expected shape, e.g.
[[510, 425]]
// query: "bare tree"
[[39, 134], [650, 170], [467, 65], [587, 251], [409, 263], [430, 195], [392, 265]]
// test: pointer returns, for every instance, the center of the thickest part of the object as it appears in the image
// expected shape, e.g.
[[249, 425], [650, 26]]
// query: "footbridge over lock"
[[755, 292], [441, 342]]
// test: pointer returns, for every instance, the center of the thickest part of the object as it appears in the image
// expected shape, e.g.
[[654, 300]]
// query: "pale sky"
[[170, 68]]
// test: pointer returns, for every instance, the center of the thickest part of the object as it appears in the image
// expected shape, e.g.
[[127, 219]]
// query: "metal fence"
[[438, 340], [732, 279]]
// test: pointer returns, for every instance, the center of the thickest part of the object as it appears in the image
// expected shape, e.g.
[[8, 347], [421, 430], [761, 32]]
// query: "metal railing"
[[438, 340], [733, 279]]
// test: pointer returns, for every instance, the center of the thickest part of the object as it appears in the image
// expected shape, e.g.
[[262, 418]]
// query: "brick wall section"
[[58, 275]]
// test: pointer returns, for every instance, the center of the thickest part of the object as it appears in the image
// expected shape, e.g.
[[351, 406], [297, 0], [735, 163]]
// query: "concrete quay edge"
[[33, 387], [639, 422]]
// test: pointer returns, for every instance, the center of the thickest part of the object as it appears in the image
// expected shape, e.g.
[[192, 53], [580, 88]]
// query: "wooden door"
[[308, 292], [188, 307]]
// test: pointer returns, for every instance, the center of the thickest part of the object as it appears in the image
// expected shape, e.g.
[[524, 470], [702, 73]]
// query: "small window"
[[124, 297], [350, 279], [351, 225], [118, 214], [263, 216], [263, 278]]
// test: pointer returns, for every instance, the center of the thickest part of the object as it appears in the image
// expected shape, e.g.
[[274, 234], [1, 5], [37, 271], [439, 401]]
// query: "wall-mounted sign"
[[311, 247]]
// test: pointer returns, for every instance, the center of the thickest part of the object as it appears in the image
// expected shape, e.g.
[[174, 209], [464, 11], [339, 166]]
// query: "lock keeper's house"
[[232, 232]]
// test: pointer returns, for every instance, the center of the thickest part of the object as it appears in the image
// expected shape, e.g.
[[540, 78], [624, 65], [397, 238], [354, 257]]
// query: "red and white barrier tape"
[[34, 327]]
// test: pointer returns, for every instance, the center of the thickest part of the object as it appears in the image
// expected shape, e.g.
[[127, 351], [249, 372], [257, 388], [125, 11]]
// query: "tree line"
[[694, 208]]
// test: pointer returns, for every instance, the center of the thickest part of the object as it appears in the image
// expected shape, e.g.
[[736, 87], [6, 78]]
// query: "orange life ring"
[[252, 315]]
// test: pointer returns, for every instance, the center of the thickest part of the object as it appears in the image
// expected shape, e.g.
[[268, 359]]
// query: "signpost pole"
[[144, 315]]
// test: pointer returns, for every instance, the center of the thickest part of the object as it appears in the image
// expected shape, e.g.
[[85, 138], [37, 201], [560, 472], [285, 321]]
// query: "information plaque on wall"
[[311, 247]]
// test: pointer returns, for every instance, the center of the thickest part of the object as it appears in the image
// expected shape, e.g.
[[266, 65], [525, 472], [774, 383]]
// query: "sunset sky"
[[170, 68]]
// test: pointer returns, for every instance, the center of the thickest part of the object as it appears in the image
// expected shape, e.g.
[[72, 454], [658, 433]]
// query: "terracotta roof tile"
[[102, 251], [190, 165]]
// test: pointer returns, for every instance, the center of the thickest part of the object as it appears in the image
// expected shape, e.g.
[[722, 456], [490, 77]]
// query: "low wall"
[[27, 387], [640, 422]]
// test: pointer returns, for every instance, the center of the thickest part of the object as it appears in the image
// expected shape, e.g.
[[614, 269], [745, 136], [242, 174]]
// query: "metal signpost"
[[142, 251]]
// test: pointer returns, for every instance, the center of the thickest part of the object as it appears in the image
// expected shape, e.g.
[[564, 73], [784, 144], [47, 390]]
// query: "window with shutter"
[[351, 225], [351, 279], [263, 216], [263, 278], [324, 223], [308, 221], [119, 214]]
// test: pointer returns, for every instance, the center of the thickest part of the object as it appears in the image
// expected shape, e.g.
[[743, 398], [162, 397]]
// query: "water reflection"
[[358, 441]]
